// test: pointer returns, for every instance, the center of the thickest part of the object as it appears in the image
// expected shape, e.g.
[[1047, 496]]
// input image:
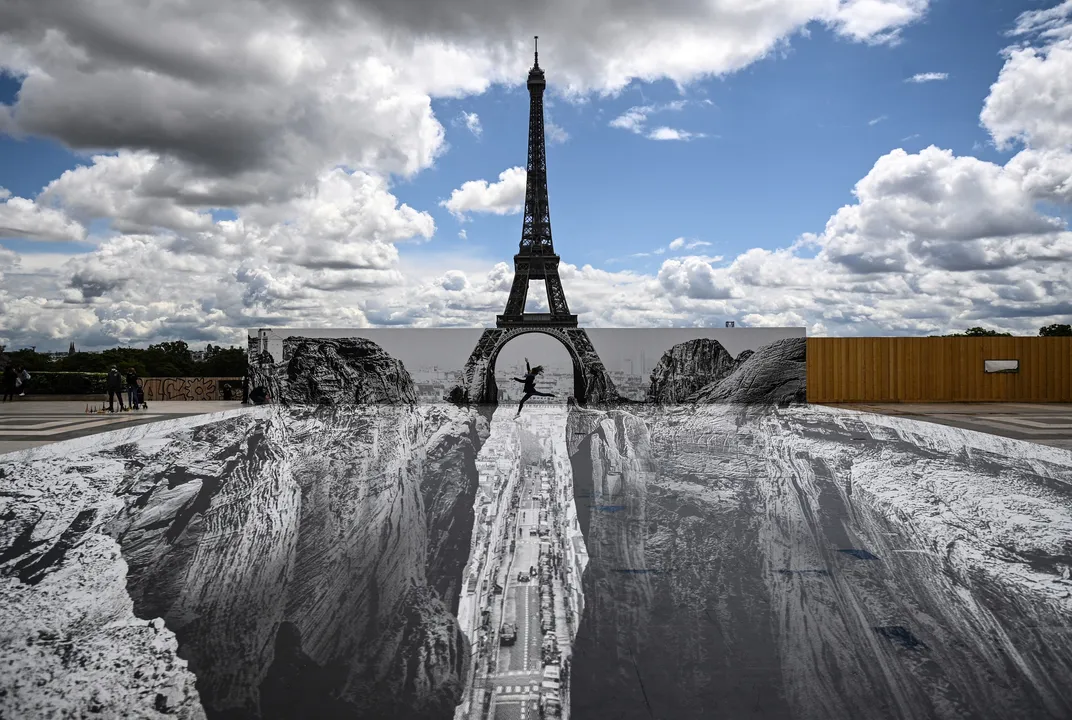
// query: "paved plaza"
[[29, 423], [1042, 423]]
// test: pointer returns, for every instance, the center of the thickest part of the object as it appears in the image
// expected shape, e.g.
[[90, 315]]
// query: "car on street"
[[522, 577], [508, 636]]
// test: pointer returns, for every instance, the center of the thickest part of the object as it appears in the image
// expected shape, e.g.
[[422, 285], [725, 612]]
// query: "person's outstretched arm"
[[527, 368], [520, 380]]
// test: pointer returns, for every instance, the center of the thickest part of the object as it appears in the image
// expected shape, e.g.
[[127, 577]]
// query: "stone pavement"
[[29, 423], [1042, 423]]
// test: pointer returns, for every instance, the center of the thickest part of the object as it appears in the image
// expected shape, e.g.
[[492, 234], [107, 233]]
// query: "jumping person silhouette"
[[530, 385]]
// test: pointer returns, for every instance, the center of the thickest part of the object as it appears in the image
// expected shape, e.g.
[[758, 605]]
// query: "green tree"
[[1055, 331], [980, 332], [222, 362], [170, 359], [30, 360]]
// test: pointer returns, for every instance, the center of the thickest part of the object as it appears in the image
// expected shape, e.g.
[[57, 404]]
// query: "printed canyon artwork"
[[691, 541]]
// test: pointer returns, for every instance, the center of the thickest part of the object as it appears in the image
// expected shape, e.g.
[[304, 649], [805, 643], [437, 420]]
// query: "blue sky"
[[787, 140], [787, 114]]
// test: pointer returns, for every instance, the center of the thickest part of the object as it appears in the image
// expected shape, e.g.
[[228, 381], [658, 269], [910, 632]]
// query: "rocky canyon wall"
[[305, 560], [702, 371], [332, 371], [751, 561]]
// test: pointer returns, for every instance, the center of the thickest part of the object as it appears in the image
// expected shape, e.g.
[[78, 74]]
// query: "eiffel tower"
[[535, 260]]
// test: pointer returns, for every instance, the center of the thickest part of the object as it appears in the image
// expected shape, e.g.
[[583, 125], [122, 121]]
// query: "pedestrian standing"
[[8, 383], [132, 387], [114, 383]]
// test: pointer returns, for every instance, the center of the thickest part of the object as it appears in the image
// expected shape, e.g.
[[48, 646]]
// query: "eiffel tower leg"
[[473, 387], [598, 387], [515, 304], [556, 296]]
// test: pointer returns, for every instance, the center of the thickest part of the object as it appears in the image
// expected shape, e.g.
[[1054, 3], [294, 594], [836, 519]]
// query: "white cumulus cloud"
[[504, 197], [24, 218]]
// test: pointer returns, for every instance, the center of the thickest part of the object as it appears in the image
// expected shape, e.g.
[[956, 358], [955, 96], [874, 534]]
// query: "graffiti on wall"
[[192, 388]]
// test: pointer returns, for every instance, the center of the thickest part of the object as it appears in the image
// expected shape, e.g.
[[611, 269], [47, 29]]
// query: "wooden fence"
[[938, 369]]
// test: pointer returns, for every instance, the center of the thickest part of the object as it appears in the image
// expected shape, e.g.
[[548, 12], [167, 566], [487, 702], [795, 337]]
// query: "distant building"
[[71, 350]]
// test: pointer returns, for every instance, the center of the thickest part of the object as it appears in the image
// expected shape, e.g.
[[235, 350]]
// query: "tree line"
[[167, 359], [1045, 331]]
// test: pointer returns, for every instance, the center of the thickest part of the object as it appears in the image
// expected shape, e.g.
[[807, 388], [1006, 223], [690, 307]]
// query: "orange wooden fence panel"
[[938, 369]]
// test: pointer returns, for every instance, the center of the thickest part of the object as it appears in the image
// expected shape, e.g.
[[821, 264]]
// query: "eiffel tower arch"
[[535, 260], [591, 382]]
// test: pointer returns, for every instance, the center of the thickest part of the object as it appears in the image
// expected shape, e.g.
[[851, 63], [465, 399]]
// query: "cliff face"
[[342, 371], [775, 373], [307, 560], [702, 371], [809, 563], [686, 368], [612, 471]]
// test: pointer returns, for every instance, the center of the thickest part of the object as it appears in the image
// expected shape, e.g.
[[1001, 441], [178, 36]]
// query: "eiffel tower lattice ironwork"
[[536, 258]]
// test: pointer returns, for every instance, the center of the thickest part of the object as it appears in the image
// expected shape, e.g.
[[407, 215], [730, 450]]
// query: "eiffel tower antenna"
[[536, 258]]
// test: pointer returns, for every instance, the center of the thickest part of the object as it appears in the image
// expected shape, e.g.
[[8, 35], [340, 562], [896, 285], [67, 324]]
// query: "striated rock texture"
[[774, 374], [689, 367], [341, 371], [448, 490], [612, 470], [70, 644], [812, 563], [307, 559]]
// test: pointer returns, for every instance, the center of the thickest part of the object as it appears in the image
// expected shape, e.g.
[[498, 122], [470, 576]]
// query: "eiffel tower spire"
[[536, 258], [536, 232]]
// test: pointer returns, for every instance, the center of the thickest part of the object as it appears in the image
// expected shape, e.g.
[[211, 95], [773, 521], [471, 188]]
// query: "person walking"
[[531, 373], [114, 383], [8, 382], [22, 380], [132, 388]]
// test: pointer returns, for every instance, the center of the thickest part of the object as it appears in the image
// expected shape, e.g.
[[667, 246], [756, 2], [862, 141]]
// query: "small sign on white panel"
[[1001, 366]]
